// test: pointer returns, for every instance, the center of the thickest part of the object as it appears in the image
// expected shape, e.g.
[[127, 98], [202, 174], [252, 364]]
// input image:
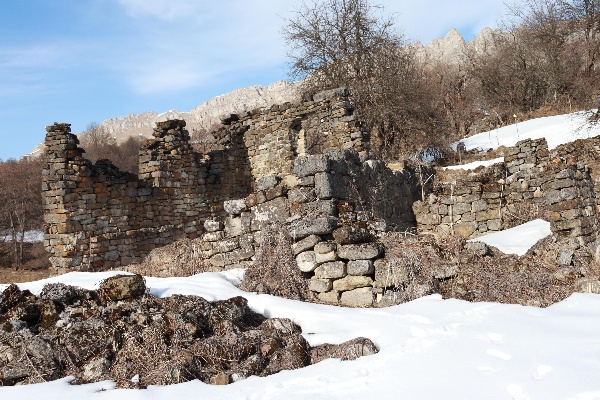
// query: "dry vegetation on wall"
[[274, 270], [99, 144], [472, 271]]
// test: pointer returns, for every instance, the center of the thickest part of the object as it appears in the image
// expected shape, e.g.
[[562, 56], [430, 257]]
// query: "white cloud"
[[162, 9]]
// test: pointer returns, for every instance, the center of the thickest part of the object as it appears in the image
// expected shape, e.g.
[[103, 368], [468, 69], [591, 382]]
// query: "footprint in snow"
[[498, 354]]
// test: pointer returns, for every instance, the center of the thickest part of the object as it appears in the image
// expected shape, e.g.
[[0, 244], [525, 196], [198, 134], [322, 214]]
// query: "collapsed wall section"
[[97, 217], [334, 207], [531, 180], [274, 137]]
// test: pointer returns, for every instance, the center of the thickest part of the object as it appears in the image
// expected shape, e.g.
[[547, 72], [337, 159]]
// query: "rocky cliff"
[[206, 114]]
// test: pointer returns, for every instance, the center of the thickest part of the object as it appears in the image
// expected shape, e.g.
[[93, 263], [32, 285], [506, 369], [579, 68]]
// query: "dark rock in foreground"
[[122, 333]]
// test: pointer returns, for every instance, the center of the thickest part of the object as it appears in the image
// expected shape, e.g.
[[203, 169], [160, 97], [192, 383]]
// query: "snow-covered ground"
[[429, 349], [557, 130], [518, 239], [476, 164]]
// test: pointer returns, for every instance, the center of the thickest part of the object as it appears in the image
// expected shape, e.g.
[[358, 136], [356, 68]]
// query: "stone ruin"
[[261, 170], [306, 168], [472, 203]]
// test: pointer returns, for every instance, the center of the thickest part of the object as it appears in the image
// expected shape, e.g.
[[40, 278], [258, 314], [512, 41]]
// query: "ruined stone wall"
[[274, 137], [334, 224], [472, 203], [98, 217]]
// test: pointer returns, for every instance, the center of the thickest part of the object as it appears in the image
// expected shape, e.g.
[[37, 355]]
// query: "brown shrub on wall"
[[274, 270]]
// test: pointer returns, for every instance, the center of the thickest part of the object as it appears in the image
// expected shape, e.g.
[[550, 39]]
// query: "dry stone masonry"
[[471, 203], [304, 168], [261, 170]]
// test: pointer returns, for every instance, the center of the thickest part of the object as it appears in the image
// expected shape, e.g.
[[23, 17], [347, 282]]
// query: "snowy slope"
[[429, 349], [557, 130]]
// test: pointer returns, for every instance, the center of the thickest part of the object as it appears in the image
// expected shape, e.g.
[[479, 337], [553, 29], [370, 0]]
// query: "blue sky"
[[79, 61]]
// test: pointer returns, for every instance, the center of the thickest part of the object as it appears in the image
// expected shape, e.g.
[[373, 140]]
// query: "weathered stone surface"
[[122, 287], [307, 261], [307, 243], [362, 297], [301, 195], [349, 350], [235, 207], [479, 248], [365, 251], [310, 165], [325, 247], [351, 235], [267, 182], [330, 270], [312, 226], [320, 285], [465, 229], [326, 257], [329, 297], [213, 225], [360, 267], [352, 282]]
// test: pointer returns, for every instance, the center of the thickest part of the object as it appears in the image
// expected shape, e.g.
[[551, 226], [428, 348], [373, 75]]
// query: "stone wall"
[[472, 203], [333, 224], [98, 217], [274, 137]]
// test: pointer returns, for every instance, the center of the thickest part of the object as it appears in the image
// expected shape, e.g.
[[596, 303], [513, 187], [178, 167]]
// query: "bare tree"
[[584, 17], [338, 39], [98, 142], [20, 202], [351, 43]]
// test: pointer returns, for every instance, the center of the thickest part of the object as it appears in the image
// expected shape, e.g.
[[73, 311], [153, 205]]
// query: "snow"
[[30, 236], [519, 239], [429, 349], [557, 130], [476, 164]]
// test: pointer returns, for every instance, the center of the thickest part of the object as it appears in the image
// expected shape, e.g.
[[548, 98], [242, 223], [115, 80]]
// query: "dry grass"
[[182, 258], [274, 270]]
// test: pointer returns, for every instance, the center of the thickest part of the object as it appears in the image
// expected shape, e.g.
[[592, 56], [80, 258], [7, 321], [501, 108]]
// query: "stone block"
[[329, 297], [235, 207], [326, 257], [314, 208], [267, 182], [306, 261], [330, 270], [362, 297], [351, 282], [305, 244], [320, 285], [465, 229], [302, 194], [323, 185], [212, 225], [360, 267], [351, 235], [310, 165], [364, 251], [304, 227], [325, 247], [233, 227]]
